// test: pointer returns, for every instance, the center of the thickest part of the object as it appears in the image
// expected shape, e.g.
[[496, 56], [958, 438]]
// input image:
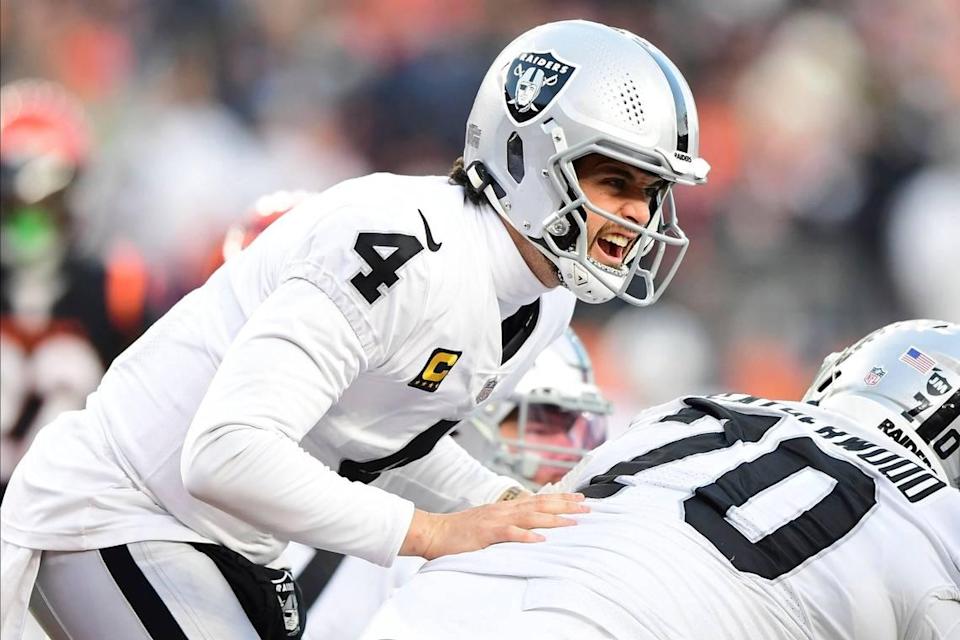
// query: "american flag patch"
[[917, 359]]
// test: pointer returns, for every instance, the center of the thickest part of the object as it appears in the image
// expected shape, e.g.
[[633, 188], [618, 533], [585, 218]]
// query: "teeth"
[[617, 239]]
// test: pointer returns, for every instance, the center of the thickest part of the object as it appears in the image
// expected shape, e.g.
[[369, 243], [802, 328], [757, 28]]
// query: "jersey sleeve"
[[373, 268], [447, 479], [287, 366]]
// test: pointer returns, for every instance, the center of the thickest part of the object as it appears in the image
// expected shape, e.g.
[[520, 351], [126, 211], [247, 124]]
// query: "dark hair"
[[458, 175]]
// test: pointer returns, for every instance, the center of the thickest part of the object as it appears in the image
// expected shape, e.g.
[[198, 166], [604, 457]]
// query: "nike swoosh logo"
[[433, 246]]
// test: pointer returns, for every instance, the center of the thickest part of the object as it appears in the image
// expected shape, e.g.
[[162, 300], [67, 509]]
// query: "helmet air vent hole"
[[632, 108], [515, 157], [622, 96], [826, 383], [629, 105]]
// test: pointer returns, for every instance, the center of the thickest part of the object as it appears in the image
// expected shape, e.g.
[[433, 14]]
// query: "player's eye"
[[549, 419], [652, 191]]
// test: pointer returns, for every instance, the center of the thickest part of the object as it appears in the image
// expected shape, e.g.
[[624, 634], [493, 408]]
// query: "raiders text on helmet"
[[566, 90]]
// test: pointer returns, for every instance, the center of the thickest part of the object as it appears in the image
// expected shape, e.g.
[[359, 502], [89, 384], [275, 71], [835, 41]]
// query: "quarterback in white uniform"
[[732, 517], [328, 361]]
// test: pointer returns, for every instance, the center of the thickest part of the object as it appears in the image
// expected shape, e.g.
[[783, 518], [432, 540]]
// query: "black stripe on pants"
[[138, 591]]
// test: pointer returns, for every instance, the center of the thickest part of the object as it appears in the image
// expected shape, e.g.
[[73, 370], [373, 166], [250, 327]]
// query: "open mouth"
[[613, 248]]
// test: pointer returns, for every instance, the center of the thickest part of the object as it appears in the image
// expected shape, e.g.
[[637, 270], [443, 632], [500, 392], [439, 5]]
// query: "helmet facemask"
[[551, 436], [654, 254], [547, 423]]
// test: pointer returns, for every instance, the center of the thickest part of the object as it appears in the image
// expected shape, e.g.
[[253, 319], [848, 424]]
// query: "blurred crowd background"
[[833, 129]]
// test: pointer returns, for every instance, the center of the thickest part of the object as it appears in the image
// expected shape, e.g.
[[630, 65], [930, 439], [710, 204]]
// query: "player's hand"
[[432, 535]]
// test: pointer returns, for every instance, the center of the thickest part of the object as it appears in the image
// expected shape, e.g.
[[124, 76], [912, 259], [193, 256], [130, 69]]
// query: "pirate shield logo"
[[287, 599], [533, 81]]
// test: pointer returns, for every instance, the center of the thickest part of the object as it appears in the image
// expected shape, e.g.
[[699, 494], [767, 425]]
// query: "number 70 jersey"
[[739, 517]]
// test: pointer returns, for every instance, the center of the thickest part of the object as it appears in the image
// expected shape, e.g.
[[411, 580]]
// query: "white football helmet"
[[566, 90], [903, 379], [551, 419]]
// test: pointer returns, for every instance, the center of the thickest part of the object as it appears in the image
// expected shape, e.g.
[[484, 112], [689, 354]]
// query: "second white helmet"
[[903, 379], [550, 420]]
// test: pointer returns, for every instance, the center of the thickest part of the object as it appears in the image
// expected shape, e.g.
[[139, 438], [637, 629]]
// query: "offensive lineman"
[[346, 342], [732, 517]]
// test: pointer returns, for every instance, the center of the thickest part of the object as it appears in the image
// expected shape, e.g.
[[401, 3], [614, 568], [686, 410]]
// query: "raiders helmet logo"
[[533, 81], [287, 591]]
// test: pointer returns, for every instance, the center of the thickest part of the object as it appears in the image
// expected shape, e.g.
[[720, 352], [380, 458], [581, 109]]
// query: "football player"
[[64, 315], [554, 415], [732, 516], [346, 341], [264, 212]]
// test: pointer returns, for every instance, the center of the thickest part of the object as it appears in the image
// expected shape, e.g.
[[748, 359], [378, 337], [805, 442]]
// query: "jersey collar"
[[513, 280]]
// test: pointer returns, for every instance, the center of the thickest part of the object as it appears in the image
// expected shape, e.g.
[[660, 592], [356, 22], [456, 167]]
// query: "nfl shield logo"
[[874, 376], [487, 389], [533, 81]]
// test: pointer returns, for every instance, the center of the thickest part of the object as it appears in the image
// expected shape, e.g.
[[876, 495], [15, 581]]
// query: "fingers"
[[540, 512], [479, 527], [538, 520], [518, 534], [554, 503], [571, 497]]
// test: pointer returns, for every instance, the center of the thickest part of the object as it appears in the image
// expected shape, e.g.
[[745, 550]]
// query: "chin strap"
[[482, 181]]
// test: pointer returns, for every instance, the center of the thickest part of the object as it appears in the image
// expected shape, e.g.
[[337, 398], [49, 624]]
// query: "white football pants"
[[140, 591]]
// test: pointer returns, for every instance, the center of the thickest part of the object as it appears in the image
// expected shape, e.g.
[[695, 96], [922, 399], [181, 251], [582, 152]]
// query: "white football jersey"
[[734, 517], [358, 328]]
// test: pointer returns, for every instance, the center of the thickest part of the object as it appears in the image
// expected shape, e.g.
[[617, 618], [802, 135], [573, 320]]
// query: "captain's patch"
[[438, 365]]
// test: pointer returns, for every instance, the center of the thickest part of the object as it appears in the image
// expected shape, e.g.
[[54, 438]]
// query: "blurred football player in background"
[[264, 212], [347, 341], [731, 516], [65, 314], [553, 417]]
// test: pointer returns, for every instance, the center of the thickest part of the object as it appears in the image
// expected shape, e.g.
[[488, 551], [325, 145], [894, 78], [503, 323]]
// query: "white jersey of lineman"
[[361, 325], [725, 519]]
